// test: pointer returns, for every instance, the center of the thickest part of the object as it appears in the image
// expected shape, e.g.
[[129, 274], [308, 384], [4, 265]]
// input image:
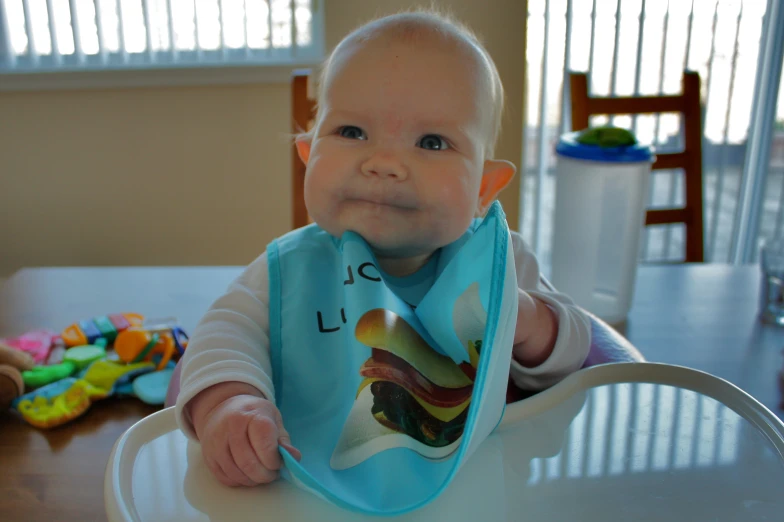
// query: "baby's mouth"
[[391, 203]]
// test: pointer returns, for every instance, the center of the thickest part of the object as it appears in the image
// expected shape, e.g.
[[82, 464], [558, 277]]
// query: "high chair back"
[[690, 159]]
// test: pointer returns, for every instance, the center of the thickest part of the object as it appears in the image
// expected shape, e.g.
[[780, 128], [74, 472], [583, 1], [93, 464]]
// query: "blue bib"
[[387, 399]]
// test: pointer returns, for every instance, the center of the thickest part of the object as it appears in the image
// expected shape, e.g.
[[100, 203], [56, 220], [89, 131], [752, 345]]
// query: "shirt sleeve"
[[230, 343], [574, 326]]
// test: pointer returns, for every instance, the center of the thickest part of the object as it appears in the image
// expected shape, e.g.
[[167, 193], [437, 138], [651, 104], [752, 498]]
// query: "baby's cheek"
[[454, 213], [321, 188], [458, 196], [317, 182]]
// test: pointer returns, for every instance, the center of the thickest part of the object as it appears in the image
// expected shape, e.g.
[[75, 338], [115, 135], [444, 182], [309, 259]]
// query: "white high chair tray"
[[617, 442]]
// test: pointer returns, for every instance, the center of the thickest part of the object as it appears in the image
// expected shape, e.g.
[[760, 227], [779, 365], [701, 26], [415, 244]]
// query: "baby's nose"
[[385, 165]]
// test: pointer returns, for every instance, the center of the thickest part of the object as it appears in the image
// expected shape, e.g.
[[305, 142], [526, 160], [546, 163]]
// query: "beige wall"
[[183, 175]]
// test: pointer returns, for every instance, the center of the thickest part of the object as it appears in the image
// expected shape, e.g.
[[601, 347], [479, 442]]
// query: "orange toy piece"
[[137, 344]]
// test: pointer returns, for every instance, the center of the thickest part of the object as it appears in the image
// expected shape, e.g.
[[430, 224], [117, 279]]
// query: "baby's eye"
[[352, 133], [433, 142]]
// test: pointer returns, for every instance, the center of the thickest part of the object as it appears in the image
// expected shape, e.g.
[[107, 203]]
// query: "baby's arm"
[[553, 335], [226, 399]]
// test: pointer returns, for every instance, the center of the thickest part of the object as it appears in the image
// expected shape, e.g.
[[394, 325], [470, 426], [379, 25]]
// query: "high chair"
[[302, 114], [621, 439], [614, 442], [688, 104]]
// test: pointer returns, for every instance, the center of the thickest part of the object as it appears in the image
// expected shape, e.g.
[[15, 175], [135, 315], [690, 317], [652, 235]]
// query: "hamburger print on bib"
[[385, 398]]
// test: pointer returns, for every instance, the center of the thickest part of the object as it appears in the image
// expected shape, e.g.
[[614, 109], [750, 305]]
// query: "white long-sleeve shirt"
[[231, 342]]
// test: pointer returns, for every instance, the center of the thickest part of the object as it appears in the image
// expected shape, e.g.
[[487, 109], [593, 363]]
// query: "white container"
[[600, 200]]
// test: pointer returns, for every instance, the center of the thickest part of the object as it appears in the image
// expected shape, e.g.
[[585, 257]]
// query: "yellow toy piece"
[[104, 374], [48, 413]]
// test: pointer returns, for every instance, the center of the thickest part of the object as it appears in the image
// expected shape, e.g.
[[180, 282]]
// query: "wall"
[[192, 175], [184, 175]]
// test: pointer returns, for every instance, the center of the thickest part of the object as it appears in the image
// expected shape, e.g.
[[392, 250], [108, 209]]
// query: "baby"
[[402, 153]]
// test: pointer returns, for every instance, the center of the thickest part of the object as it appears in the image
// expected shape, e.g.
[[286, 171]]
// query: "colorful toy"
[[74, 359], [43, 413], [37, 344], [112, 355], [105, 326], [69, 398], [142, 344], [151, 387]]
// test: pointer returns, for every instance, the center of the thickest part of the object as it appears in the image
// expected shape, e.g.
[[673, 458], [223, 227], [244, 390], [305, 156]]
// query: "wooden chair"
[[302, 114], [690, 159]]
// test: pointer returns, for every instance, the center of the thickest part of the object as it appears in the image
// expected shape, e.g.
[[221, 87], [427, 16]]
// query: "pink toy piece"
[[37, 343]]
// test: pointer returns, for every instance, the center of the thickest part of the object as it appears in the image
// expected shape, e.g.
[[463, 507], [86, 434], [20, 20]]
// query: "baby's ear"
[[496, 176], [302, 142]]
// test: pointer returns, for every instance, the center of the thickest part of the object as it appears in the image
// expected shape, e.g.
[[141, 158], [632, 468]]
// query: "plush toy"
[[12, 363], [15, 358], [11, 385]]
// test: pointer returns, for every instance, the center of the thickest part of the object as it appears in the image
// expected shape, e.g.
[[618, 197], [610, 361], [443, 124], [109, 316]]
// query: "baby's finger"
[[285, 442], [284, 439], [234, 473], [263, 435], [247, 461], [218, 473]]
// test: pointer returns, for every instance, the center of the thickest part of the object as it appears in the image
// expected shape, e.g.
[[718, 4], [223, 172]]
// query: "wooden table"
[[698, 316]]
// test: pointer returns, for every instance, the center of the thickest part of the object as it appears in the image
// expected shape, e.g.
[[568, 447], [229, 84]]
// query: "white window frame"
[[168, 68], [749, 211]]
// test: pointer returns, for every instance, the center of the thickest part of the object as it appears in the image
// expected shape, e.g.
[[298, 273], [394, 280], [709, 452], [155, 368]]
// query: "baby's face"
[[398, 154]]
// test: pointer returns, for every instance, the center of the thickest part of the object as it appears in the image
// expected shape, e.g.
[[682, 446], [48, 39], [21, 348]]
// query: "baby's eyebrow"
[[344, 114]]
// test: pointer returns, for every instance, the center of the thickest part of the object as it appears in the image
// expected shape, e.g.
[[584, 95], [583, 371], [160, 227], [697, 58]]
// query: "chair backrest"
[[690, 159], [302, 113]]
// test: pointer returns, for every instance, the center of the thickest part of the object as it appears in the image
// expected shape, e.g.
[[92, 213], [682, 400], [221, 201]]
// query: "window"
[[81, 35], [639, 47], [771, 218]]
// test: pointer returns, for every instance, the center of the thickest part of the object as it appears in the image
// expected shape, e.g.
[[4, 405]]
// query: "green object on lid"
[[607, 136]]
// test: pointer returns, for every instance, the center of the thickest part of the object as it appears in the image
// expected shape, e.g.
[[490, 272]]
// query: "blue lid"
[[570, 147]]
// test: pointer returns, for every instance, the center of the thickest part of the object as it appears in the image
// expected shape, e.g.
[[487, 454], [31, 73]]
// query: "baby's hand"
[[240, 435], [535, 332]]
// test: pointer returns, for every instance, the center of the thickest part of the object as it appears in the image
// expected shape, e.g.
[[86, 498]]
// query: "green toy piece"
[[82, 356], [607, 136], [43, 375], [74, 359]]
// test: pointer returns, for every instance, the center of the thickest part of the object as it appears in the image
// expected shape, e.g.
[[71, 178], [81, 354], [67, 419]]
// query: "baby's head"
[[409, 110]]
